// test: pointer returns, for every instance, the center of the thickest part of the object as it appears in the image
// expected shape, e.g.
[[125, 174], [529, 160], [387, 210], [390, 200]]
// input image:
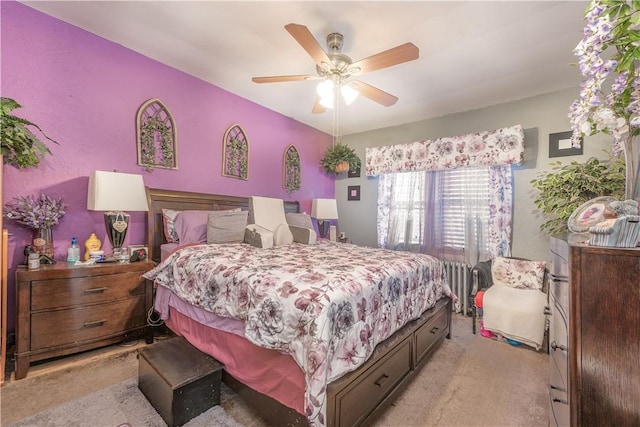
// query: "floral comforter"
[[328, 305]]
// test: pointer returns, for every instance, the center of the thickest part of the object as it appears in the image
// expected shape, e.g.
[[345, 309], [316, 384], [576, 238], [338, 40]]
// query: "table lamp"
[[323, 210], [114, 193]]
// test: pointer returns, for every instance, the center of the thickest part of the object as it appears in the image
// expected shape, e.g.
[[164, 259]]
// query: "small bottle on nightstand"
[[73, 253]]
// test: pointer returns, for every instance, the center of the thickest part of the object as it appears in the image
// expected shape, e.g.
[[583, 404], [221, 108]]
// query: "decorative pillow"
[[191, 226], [299, 220], [169, 221], [282, 235], [226, 226], [516, 273]]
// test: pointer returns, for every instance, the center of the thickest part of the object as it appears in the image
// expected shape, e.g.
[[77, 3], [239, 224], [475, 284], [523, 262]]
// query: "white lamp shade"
[[349, 94], [325, 88], [327, 101], [115, 191], [324, 209]]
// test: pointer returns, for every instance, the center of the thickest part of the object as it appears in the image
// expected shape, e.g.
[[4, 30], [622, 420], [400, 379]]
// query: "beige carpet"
[[470, 381]]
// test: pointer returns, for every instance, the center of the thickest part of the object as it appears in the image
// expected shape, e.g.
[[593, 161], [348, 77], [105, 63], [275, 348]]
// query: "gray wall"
[[540, 116]]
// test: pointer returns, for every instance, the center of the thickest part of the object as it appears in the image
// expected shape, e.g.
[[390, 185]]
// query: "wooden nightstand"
[[63, 309]]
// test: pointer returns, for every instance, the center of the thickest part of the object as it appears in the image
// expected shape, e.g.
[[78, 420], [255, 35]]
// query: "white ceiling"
[[473, 54]]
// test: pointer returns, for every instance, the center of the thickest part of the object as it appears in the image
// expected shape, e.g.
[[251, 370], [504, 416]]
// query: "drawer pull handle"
[[555, 399], [547, 310], [555, 346], [94, 290], [434, 330], [94, 323], [553, 387], [382, 380]]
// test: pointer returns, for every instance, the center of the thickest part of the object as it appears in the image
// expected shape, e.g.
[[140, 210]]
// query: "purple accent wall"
[[84, 91]]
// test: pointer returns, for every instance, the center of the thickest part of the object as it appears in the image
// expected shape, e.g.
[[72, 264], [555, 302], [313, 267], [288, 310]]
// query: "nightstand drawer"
[[77, 291], [56, 328]]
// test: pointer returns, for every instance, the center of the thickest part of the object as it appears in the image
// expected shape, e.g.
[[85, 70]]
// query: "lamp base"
[[323, 228], [117, 224]]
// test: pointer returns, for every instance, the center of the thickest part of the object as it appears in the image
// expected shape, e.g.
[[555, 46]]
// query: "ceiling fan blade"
[[394, 56], [277, 79], [374, 94], [304, 37], [317, 107]]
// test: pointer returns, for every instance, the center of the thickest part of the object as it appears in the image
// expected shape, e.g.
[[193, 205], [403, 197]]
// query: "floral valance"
[[489, 148]]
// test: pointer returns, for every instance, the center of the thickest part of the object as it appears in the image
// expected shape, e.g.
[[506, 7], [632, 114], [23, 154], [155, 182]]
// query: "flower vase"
[[43, 241]]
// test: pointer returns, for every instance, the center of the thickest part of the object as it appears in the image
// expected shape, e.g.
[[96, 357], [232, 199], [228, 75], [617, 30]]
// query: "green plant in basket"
[[339, 158], [566, 187]]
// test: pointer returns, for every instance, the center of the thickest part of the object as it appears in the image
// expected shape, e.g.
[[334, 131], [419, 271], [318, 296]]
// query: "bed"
[[324, 362]]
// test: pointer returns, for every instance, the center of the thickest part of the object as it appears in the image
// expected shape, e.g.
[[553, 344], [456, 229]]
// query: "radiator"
[[458, 274]]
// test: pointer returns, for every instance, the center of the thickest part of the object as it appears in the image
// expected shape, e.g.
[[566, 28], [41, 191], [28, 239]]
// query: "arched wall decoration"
[[291, 172], [157, 136], [235, 153]]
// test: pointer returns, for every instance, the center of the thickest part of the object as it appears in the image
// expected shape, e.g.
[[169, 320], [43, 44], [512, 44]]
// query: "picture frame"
[[354, 173], [560, 145], [353, 192], [588, 214]]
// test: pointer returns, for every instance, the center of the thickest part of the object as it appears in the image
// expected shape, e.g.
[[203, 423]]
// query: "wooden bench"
[[179, 381]]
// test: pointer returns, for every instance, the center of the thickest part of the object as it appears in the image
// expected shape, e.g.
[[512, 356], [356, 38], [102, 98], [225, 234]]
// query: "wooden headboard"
[[158, 199]]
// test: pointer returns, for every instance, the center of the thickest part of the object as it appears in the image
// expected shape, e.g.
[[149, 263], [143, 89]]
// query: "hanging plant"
[[567, 187], [19, 146], [339, 158]]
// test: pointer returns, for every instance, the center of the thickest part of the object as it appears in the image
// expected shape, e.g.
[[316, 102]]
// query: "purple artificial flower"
[[42, 212]]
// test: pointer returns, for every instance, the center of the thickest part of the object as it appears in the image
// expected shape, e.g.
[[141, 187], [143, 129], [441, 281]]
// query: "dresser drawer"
[[559, 409], [77, 291], [429, 333], [356, 402], [559, 290], [57, 328]]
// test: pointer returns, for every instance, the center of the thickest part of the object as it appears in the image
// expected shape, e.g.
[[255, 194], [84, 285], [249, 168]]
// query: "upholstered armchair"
[[510, 297]]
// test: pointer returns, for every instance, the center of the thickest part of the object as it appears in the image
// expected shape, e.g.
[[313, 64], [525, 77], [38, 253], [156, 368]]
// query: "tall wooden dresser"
[[594, 373]]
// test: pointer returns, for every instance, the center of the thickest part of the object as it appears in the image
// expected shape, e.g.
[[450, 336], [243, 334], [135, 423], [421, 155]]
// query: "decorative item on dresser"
[[594, 334], [64, 309]]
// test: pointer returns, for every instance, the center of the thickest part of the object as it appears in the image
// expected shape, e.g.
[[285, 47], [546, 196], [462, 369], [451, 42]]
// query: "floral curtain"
[[488, 148]]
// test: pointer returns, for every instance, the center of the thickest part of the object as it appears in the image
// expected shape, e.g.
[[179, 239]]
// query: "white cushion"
[[267, 212], [258, 236], [282, 235]]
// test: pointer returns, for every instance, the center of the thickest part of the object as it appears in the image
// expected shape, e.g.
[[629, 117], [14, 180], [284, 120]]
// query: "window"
[[408, 207], [465, 198], [458, 208]]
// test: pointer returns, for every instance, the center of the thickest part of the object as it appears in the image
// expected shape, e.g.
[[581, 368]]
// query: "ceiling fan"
[[336, 69]]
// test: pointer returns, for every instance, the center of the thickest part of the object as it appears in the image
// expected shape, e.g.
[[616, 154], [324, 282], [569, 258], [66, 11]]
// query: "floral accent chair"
[[509, 297]]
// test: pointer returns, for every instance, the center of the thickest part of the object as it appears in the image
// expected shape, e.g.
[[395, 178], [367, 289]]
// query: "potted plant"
[[19, 146], [567, 187], [339, 158]]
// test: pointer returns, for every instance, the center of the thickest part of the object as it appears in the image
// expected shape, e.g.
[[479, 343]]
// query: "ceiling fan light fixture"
[[325, 89], [349, 94], [327, 101]]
